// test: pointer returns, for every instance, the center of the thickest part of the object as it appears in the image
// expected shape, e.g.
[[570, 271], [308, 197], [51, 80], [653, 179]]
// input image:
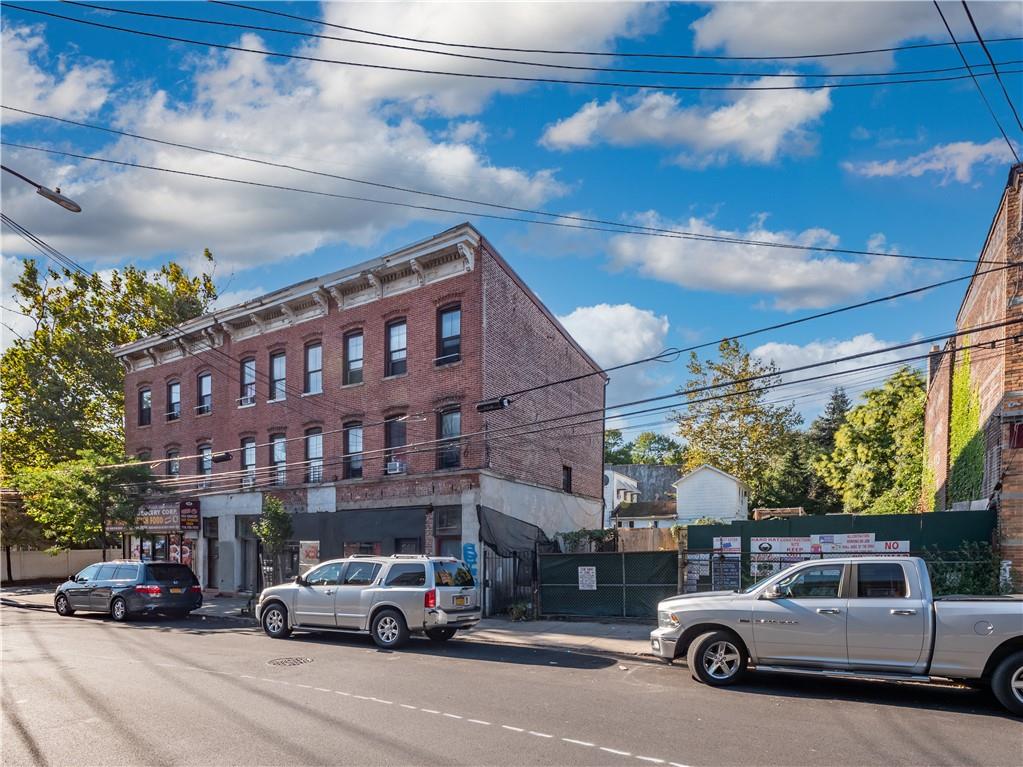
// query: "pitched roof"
[[645, 509], [684, 477], [655, 480]]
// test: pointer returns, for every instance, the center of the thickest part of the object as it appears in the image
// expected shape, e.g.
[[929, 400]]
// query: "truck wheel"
[[440, 635], [1007, 683], [717, 658], [389, 629], [275, 621]]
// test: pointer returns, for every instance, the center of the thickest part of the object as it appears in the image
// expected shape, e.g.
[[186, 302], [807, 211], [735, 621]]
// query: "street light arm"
[[53, 195]]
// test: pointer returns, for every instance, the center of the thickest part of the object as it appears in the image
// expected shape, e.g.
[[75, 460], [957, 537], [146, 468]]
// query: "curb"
[[576, 649]]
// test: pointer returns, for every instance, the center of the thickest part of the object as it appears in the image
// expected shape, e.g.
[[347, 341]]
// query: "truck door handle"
[[903, 612], [828, 610], [328, 593]]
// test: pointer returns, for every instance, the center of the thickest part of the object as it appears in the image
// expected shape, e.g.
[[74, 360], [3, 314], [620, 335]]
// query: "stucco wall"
[[706, 493], [36, 565], [551, 511]]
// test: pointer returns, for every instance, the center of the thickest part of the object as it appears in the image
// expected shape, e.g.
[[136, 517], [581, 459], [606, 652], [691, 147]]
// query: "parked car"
[[869, 617], [389, 597], [124, 588]]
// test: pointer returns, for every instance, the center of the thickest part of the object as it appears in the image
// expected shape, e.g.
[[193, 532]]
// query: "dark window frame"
[[313, 471], [247, 387], [173, 462], [392, 448], [449, 348], [354, 462], [145, 409], [204, 464], [203, 402], [449, 447], [279, 476], [308, 373], [354, 375], [566, 479], [173, 403], [278, 385], [246, 450], [395, 366]]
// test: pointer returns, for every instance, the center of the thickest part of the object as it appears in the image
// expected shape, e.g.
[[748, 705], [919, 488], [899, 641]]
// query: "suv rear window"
[[126, 572], [170, 572], [452, 574], [406, 575]]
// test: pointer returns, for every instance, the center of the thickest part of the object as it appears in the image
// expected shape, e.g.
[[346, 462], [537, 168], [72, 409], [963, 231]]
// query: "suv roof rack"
[[409, 556], [363, 556]]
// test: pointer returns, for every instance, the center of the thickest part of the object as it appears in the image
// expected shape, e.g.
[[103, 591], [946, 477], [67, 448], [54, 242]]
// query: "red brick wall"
[[526, 346], [936, 428]]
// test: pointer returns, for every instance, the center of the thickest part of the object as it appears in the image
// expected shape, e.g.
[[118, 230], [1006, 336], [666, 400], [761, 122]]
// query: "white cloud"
[[787, 356], [779, 28], [466, 132], [795, 278], [757, 126], [68, 91], [950, 161], [617, 333], [355, 122]]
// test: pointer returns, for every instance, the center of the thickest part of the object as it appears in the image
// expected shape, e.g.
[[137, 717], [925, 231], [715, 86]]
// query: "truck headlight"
[[667, 620]]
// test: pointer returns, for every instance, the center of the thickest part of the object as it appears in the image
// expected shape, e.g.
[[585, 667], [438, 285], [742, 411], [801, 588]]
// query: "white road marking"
[[346, 694], [477, 721], [306, 686], [362, 697], [513, 729], [540, 734], [650, 759], [406, 705], [429, 711], [453, 716], [246, 676], [676, 764], [578, 742], [615, 751], [388, 702]]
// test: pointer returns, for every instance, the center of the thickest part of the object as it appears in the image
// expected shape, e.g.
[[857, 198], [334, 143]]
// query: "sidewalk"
[[624, 640]]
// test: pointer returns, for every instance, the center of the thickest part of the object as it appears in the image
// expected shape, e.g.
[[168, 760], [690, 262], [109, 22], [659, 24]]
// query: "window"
[[145, 407], [394, 438], [451, 574], [248, 462], [407, 546], [325, 575], [279, 458], [353, 450], [813, 582], [397, 348], [362, 548], [173, 401], [353, 358], [313, 369], [1016, 435], [126, 573], [204, 465], [88, 574], [173, 464], [883, 580], [314, 455], [449, 335], [447, 520], [204, 394], [406, 575], [106, 572], [449, 429], [360, 573], [278, 376], [143, 455], [247, 378], [566, 478]]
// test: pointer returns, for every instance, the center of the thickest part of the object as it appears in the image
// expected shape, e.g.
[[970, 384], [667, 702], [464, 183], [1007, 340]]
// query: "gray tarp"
[[507, 536]]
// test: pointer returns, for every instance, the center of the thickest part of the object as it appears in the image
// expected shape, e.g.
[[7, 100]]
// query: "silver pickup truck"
[[869, 617]]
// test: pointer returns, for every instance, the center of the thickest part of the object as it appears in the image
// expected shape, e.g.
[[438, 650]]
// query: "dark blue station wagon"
[[124, 588]]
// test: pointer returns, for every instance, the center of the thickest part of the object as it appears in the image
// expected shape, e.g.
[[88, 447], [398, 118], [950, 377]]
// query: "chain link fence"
[[617, 584]]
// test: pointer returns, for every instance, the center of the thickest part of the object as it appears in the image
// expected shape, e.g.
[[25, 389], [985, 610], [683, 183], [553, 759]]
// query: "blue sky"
[[915, 169]]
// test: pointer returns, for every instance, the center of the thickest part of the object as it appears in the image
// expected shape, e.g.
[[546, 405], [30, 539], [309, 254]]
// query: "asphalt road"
[[85, 691]]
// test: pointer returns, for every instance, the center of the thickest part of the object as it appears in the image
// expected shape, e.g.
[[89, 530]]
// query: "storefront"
[[163, 531]]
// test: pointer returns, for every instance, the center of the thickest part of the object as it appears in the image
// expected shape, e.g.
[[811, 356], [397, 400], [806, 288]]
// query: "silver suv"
[[390, 597]]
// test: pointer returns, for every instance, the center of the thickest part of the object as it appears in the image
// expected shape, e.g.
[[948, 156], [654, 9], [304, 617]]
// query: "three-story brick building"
[[383, 403]]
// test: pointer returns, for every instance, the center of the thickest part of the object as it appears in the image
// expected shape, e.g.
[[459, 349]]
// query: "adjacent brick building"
[[353, 397], [974, 417]]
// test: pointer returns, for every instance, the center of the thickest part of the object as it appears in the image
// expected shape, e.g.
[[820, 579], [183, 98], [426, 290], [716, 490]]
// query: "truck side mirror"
[[772, 592]]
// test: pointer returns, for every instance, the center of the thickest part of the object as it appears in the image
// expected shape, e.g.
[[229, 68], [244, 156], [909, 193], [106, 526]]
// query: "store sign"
[[587, 578], [188, 514], [308, 553], [155, 518]]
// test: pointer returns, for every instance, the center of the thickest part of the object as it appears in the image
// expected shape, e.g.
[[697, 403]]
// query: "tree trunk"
[[10, 568]]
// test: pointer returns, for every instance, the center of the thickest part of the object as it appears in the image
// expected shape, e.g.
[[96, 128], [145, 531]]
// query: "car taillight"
[[196, 589], [430, 598], [147, 589]]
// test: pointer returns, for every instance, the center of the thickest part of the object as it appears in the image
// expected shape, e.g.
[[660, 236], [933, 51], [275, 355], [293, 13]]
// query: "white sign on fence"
[[587, 578]]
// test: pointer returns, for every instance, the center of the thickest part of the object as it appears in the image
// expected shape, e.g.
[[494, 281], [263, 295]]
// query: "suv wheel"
[[119, 610], [440, 635], [389, 629], [62, 605], [717, 658], [275, 621], [1007, 683]]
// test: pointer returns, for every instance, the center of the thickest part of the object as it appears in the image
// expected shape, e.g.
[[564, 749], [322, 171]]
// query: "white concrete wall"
[[226, 507], [550, 510], [36, 565], [707, 493], [615, 482]]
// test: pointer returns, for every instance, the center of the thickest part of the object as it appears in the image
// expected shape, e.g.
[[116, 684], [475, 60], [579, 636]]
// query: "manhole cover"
[[289, 661]]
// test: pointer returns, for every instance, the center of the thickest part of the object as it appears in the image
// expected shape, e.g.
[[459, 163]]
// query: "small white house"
[[710, 493], [618, 488]]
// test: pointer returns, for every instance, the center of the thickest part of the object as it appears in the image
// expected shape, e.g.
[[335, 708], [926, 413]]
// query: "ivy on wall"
[[966, 441], [929, 483]]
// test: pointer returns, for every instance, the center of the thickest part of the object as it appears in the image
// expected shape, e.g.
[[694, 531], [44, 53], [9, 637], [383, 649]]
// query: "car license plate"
[[461, 601], [177, 591]]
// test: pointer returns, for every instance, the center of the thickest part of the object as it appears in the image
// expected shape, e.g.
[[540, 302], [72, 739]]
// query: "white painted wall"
[[36, 565], [614, 485], [226, 506], [705, 492], [550, 510]]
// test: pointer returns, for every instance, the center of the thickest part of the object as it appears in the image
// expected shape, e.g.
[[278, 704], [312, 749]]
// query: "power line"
[[994, 67], [481, 76], [976, 82], [788, 57], [519, 62], [628, 229]]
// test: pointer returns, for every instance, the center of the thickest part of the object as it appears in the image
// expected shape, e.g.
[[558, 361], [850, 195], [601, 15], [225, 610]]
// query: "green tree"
[[616, 449], [76, 501], [965, 438], [822, 431], [652, 448], [877, 463], [63, 389], [789, 477], [738, 431], [274, 530]]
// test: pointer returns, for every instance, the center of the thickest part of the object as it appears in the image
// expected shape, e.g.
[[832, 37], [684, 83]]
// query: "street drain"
[[288, 661]]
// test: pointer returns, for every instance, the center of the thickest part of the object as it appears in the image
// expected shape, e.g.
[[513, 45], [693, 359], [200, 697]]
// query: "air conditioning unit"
[[396, 467]]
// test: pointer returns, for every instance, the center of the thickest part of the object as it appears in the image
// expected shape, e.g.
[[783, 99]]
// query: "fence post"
[[624, 611]]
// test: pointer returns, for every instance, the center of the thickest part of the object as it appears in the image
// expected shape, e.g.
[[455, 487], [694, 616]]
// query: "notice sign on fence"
[[587, 578]]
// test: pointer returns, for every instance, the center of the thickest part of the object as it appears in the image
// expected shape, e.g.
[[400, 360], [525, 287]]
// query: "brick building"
[[974, 417], [353, 398]]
